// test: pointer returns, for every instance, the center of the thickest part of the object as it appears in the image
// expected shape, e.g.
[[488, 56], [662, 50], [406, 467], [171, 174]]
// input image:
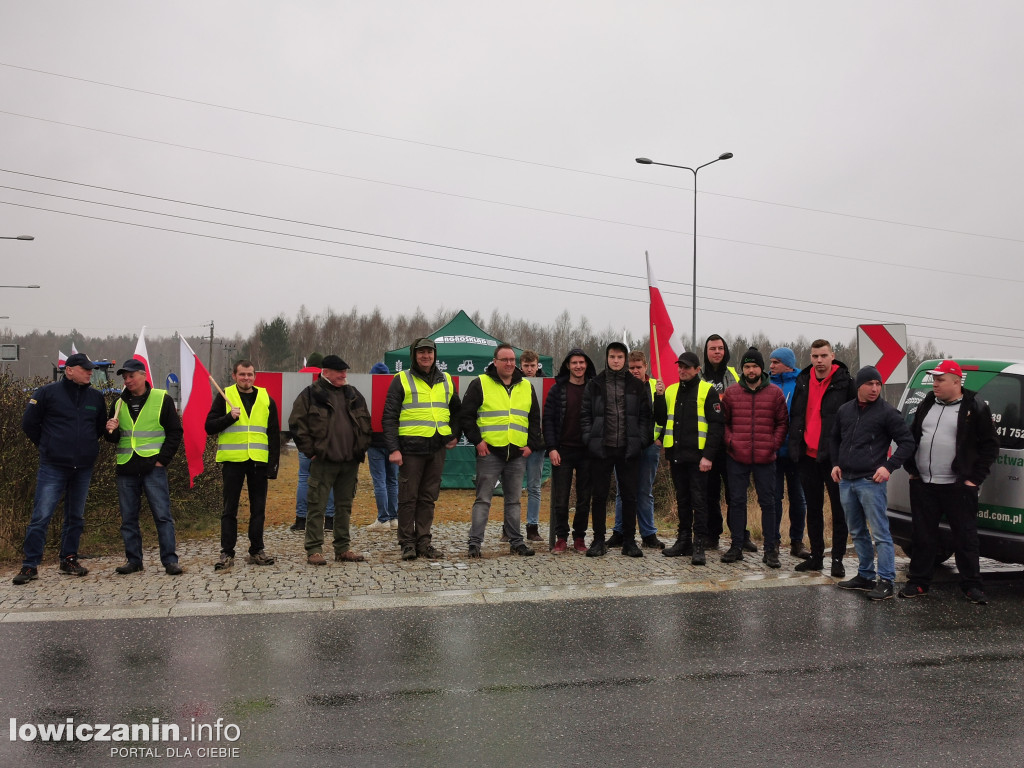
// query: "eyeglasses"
[[506, 359]]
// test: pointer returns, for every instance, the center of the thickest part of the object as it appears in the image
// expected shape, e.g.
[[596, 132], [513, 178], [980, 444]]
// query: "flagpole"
[[657, 350]]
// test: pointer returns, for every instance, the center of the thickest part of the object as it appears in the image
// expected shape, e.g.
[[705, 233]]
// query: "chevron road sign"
[[885, 347]]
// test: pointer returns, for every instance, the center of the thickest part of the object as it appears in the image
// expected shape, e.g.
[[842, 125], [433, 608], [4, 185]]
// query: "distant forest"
[[281, 344]]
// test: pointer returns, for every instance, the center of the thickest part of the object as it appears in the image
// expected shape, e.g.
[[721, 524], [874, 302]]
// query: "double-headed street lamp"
[[723, 156]]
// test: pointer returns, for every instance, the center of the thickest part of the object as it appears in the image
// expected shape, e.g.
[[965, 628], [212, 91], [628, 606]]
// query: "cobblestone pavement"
[[382, 581]]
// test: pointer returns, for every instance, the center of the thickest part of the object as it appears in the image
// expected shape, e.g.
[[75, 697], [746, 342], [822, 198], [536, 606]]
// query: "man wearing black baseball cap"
[[64, 420]]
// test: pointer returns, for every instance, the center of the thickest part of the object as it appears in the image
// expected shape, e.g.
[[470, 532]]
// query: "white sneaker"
[[394, 524], [377, 525]]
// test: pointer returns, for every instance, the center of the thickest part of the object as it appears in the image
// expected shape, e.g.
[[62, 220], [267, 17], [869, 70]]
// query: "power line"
[[505, 158]]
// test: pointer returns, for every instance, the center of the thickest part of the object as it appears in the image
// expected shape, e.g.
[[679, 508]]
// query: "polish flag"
[[61, 359], [143, 355], [668, 348], [196, 400]]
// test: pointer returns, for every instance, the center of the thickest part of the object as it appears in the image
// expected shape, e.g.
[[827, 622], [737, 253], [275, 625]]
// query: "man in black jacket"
[[563, 438], [421, 424], [64, 420], [617, 425], [145, 425], [821, 388], [863, 430], [956, 447]]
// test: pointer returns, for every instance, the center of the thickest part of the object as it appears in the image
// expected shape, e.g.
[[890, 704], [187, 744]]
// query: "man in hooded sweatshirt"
[[421, 424], [563, 439], [719, 374], [618, 425], [755, 426], [501, 417], [782, 368]]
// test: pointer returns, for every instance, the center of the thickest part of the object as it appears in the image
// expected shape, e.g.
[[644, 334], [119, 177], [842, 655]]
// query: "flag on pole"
[[665, 347], [196, 400], [143, 355], [61, 358], [74, 350]]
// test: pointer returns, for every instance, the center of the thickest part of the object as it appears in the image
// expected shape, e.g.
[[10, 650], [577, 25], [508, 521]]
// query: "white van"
[[1001, 500]]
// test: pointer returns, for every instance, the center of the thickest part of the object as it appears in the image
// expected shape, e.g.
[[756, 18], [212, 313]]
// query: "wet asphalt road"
[[808, 676]]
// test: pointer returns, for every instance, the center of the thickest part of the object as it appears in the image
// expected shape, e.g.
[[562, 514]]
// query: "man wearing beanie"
[[782, 369], [330, 423], [617, 426], [864, 429], [821, 388], [755, 426]]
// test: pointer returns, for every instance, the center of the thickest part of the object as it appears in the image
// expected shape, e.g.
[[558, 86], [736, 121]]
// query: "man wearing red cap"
[[956, 446]]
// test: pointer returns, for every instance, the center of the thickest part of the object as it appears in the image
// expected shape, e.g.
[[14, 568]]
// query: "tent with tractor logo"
[[463, 349]]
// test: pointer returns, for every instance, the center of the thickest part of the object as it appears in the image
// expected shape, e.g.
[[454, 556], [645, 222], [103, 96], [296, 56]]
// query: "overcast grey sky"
[[875, 179]]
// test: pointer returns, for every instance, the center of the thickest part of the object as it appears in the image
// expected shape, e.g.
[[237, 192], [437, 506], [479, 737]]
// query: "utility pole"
[[209, 359]]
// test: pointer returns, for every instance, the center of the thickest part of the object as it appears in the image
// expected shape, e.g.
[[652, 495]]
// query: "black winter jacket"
[[861, 438], [555, 404], [413, 444], [65, 421], [977, 445], [639, 419], [684, 447], [840, 390]]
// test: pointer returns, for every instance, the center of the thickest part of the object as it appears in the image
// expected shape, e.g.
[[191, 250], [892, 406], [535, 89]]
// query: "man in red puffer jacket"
[[756, 422]]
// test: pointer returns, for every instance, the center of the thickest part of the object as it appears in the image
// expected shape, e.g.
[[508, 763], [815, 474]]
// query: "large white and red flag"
[[665, 347], [61, 358], [196, 400], [143, 355]]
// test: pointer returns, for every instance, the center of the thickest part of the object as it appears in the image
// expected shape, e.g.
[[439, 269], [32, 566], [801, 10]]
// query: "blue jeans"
[[385, 483], [649, 459], [864, 503], [129, 498], [787, 477], [490, 469], [764, 486], [302, 490], [534, 473], [53, 483]]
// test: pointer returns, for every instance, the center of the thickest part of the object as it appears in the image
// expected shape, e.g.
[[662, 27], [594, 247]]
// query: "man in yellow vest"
[[248, 449], [690, 414], [420, 421], [501, 417], [145, 425]]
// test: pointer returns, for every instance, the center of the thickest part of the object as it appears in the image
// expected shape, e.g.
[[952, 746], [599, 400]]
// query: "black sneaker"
[[771, 557], [71, 567], [838, 570], [812, 563], [698, 553], [748, 545], [25, 575], [882, 590], [615, 540], [857, 582], [409, 551], [474, 551], [521, 549], [128, 567], [630, 549], [913, 590], [652, 542], [597, 548], [430, 552], [173, 569], [976, 596], [734, 553], [329, 523], [299, 525], [680, 548]]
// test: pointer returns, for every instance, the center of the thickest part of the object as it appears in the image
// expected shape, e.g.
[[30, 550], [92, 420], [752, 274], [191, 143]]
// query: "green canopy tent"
[[464, 349]]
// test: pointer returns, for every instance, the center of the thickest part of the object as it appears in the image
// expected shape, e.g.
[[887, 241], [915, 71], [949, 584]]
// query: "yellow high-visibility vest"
[[246, 438], [703, 388], [425, 407], [143, 436], [504, 418]]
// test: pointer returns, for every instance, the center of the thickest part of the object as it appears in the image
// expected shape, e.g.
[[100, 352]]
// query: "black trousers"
[[254, 474], [419, 483], [959, 503], [691, 498], [574, 461], [628, 473], [715, 478], [816, 478]]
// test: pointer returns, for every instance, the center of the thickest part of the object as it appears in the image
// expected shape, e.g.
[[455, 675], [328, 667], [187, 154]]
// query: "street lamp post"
[[723, 156], [19, 237]]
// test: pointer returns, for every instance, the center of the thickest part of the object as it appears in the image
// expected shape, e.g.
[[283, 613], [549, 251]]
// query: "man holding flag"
[[248, 448]]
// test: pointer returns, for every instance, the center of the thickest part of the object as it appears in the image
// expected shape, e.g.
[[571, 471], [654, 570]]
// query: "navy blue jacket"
[[861, 438], [65, 421]]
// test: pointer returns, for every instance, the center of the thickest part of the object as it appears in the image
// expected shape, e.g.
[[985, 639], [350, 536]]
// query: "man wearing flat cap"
[[145, 425], [690, 414], [330, 423], [64, 420], [421, 424]]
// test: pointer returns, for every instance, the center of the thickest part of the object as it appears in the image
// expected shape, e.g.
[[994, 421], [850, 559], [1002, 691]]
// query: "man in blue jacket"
[[65, 420], [783, 370]]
